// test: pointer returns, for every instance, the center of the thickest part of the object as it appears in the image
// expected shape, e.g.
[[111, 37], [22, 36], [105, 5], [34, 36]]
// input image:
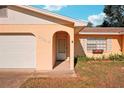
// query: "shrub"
[[98, 58], [82, 58], [92, 58], [85, 58], [116, 57], [103, 57], [112, 57], [122, 57]]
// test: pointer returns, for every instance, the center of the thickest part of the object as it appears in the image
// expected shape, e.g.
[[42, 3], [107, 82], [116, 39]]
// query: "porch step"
[[58, 74]]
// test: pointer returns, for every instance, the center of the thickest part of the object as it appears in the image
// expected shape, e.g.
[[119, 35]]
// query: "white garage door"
[[17, 51]]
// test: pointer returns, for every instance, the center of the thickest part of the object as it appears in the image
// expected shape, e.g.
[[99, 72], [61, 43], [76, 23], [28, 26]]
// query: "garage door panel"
[[17, 51]]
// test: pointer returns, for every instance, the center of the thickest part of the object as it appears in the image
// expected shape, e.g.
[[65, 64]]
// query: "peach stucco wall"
[[116, 45], [44, 41]]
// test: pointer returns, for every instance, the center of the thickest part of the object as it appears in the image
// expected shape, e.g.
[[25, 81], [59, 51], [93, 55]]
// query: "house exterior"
[[36, 39], [110, 39]]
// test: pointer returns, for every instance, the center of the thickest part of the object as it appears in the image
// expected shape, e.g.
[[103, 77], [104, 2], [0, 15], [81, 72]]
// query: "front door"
[[61, 48]]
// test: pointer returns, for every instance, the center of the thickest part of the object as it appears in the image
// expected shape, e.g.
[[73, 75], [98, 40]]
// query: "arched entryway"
[[61, 48]]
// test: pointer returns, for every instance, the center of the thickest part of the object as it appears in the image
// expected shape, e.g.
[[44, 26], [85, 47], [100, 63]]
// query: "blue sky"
[[92, 13]]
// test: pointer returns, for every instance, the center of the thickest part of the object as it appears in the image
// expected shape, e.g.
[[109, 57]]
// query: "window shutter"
[[109, 44], [83, 42]]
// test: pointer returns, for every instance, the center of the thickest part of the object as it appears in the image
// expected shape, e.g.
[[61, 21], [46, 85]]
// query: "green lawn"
[[93, 75]]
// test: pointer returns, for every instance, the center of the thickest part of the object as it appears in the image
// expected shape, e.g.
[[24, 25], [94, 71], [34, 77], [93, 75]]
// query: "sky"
[[89, 13]]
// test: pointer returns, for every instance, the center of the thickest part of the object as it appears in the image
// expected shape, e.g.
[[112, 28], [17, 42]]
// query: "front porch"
[[63, 52], [61, 69], [62, 66]]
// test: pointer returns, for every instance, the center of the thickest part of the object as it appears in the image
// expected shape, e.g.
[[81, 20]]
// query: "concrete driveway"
[[13, 79]]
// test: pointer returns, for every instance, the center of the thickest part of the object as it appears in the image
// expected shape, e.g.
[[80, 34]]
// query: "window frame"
[[96, 40]]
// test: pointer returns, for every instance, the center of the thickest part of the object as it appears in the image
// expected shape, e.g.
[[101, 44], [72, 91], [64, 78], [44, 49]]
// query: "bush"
[[82, 58], [98, 58], [85, 58], [116, 57], [112, 57], [103, 57]]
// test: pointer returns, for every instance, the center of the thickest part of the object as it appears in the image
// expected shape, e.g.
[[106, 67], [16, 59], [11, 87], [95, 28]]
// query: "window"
[[96, 43], [3, 11]]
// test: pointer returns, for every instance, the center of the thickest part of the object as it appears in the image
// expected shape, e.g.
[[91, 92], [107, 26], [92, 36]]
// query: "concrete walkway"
[[62, 66], [61, 69], [13, 79]]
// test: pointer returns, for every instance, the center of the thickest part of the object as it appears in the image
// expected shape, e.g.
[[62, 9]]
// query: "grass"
[[90, 75]]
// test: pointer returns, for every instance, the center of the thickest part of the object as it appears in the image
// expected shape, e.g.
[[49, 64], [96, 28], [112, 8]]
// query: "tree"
[[114, 16]]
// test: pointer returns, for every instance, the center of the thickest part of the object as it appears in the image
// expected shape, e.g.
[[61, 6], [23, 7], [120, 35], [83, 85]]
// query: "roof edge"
[[76, 22], [101, 33]]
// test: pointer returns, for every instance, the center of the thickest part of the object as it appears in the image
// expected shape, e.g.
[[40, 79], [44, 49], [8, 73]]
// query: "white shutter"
[[109, 44], [83, 42]]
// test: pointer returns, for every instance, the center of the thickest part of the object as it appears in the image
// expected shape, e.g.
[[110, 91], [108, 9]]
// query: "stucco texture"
[[44, 41]]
